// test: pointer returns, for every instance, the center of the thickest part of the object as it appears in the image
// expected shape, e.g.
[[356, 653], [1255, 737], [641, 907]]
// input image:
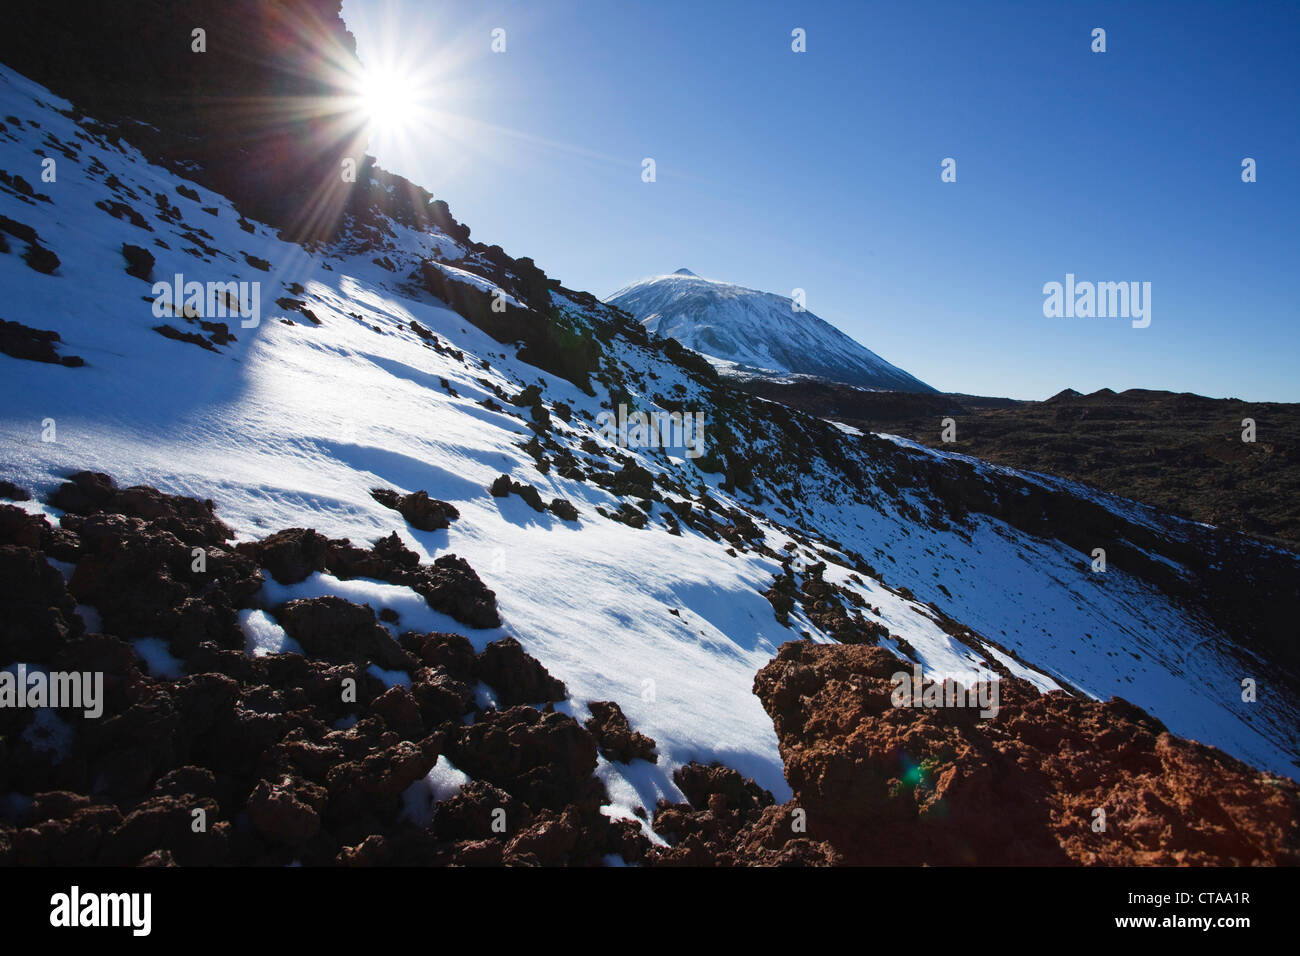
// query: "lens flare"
[[389, 100]]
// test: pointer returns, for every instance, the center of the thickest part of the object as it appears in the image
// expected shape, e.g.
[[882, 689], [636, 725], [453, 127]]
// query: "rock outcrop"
[[910, 786], [207, 754]]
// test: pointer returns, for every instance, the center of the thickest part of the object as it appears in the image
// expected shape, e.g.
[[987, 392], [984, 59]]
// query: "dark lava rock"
[[452, 587], [471, 813], [13, 493], [290, 555], [243, 760], [139, 262], [41, 259], [564, 509], [288, 811], [453, 652], [517, 677], [702, 783], [420, 511], [37, 614], [616, 738], [341, 632], [544, 759], [503, 486], [34, 345]]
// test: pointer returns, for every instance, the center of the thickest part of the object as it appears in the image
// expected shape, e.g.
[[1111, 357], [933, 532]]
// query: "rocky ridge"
[[281, 764]]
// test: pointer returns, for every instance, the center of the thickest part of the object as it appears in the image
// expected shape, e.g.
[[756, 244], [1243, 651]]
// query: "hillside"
[[1180, 453], [352, 465]]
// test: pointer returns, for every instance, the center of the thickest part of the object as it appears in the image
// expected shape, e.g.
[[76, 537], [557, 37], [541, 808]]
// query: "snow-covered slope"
[[293, 424], [756, 331]]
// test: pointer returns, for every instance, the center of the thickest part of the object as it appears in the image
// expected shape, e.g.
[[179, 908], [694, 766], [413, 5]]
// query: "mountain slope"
[[378, 362], [1181, 453], [755, 330]]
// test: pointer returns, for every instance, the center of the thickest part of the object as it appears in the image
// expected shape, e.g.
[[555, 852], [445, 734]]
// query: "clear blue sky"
[[820, 170]]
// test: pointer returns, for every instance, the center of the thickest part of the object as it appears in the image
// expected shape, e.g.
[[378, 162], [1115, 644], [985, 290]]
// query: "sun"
[[389, 99]]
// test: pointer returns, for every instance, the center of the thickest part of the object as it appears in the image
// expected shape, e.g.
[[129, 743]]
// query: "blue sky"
[[820, 170]]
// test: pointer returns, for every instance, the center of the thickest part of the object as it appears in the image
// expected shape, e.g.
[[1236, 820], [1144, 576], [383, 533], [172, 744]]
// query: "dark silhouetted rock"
[[139, 262], [564, 509], [452, 587], [13, 493], [33, 345], [290, 555], [503, 486], [616, 738], [341, 632], [517, 677], [288, 811], [421, 511], [544, 759]]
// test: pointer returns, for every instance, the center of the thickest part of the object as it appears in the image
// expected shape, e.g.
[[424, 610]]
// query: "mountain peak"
[[759, 331]]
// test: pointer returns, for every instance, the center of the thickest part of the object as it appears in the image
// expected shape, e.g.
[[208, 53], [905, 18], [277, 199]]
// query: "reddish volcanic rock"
[[715, 786], [450, 586], [517, 677], [615, 736], [290, 555], [908, 786], [316, 760], [288, 811], [342, 632], [480, 811], [269, 760], [544, 759], [421, 512], [453, 652], [549, 840]]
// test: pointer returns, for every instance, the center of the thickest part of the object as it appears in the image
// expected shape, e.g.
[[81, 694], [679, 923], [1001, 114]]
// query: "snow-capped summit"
[[757, 331]]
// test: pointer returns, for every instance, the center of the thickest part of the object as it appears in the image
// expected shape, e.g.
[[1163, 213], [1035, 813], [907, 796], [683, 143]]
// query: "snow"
[[390, 678], [157, 658], [90, 617], [478, 282], [291, 426], [262, 635], [47, 731], [441, 783], [445, 780], [757, 331], [413, 613], [50, 733], [63, 567]]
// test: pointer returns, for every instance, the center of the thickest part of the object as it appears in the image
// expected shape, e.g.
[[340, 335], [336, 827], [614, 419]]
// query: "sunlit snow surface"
[[293, 425]]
